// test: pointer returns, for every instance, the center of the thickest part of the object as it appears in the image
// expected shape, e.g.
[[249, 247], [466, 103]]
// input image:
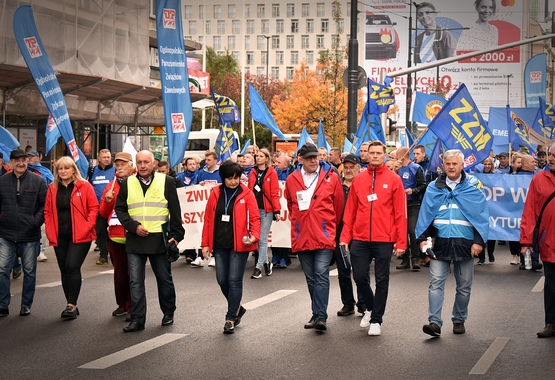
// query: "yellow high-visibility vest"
[[150, 209]]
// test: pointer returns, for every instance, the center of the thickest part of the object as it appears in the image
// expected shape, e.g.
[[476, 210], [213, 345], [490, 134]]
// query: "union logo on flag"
[[535, 77], [169, 18], [178, 123], [33, 47], [51, 125], [74, 150]]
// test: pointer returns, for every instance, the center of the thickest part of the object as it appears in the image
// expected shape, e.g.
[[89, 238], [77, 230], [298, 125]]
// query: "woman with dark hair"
[[263, 182], [70, 216], [231, 230]]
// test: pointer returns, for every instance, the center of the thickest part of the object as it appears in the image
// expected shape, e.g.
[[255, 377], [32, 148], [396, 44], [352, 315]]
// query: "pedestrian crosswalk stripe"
[[539, 286], [267, 299], [50, 285], [131, 352], [487, 359]]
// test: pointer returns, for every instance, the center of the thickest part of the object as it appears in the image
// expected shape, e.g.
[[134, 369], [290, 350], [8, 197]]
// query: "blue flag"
[[247, 144], [304, 138], [178, 110], [517, 136], [405, 137], [226, 143], [547, 113], [428, 140], [380, 97], [7, 143], [460, 125], [261, 113], [227, 108], [426, 107], [52, 133], [436, 158], [369, 128], [32, 50], [348, 146], [322, 142]]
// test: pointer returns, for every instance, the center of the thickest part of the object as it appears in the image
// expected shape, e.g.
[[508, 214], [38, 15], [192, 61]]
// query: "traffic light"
[[390, 128]]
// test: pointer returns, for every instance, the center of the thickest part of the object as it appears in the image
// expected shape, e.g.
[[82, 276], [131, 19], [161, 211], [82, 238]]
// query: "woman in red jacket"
[[263, 182], [70, 215], [231, 230]]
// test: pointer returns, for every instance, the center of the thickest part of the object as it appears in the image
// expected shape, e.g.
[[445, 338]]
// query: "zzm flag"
[[460, 125], [380, 97]]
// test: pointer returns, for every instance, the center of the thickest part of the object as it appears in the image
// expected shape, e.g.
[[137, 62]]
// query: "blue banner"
[[227, 108], [460, 125], [247, 144], [39, 65], [322, 142], [178, 110], [497, 124], [426, 107], [436, 158], [52, 133], [380, 97], [517, 136], [261, 113], [7, 143], [369, 128], [535, 79], [304, 138], [505, 194], [428, 140]]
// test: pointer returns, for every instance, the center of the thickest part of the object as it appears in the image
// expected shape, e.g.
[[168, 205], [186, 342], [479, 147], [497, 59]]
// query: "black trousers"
[[70, 258], [101, 229], [346, 282], [549, 292]]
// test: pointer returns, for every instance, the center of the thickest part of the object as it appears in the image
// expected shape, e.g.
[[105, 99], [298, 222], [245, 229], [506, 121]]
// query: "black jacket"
[[21, 216], [155, 242]]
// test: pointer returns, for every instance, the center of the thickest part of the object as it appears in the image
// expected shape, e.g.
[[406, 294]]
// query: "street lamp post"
[[409, 76], [509, 76]]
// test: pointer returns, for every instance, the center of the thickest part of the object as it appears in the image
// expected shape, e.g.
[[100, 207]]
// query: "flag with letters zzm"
[[178, 109], [380, 97], [460, 125]]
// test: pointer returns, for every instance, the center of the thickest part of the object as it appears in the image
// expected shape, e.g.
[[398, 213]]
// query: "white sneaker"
[[198, 262], [375, 329], [42, 257], [516, 260], [212, 262], [365, 322]]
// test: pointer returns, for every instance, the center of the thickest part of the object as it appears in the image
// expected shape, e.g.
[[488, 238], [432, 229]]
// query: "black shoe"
[[361, 309], [547, 332], [133, 327], [268, 268], [522, 267], [128, 317], [481, 262], [404, 265], [310, 324], [346, 310], [119, 312], [71, 312], [25, 311], [242, 312], [16, 273], [4, 312], [432, 329], [320, 325], [415, 264], [256, 273], [458, 328], [229, 328], [491, 259], [536, 266], [167, 320]]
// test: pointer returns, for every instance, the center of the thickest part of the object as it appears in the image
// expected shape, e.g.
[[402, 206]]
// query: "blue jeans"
[[362, 254], [163, 273], [230, 269], [464, 273], [316, 268], [266, 219], [28, 251]]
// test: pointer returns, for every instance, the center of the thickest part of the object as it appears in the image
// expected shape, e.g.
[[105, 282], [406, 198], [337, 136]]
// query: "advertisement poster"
[[443, 29]]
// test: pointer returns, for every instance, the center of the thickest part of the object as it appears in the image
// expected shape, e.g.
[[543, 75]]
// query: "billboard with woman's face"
[[447, 28]]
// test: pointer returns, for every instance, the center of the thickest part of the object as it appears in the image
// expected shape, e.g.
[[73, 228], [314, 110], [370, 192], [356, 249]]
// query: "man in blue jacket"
[[22, 198], [454, 211]]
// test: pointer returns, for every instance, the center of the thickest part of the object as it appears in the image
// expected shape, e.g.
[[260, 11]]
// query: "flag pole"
[[253, 133]]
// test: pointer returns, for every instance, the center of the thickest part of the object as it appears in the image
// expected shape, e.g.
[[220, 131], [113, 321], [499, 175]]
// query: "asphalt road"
[[506, 311]]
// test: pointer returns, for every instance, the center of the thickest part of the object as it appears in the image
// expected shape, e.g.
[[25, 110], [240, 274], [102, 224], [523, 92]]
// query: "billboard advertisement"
[[444, 29]]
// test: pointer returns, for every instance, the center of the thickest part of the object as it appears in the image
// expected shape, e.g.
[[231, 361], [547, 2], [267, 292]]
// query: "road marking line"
[[333, 273], [267, 299], [111, 271], [133, 351], [50, 285], [539, 286], [489, 356]]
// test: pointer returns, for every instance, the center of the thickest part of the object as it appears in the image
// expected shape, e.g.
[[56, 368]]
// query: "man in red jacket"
[[315, 201], [541, 188], [374, 223]]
